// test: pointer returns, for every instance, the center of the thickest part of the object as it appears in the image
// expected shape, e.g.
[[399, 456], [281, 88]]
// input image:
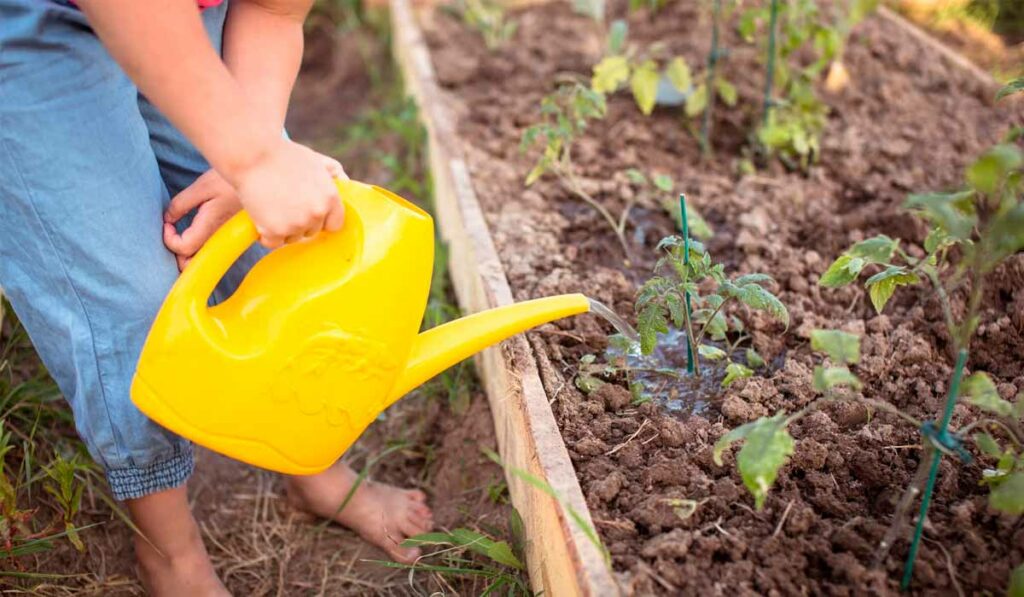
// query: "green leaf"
[[587, 383], [650, 322], [882, 285], [733, 372], [663, 182], [1016, 588], [937, 239], [755, 278], [591, 8], [498, 551], [878, 249], [539, 170], [711, 353], [827, 378], [767, 447], [860, 9], [981, 392], [843, 270], [754, 360], [1013, 86], [726, 91], [733, 436], [1018, 407], [1006, 236], [610, 74], [678, 73], [1008, 496], [747, 25], [501, 552], [636, 177], [676, 309], [988, 172], [73, 536], [757, 297], [695, 223], [841, 347], [617, 32], [644, 84], [987, 444], [697, 101], [953, 212]]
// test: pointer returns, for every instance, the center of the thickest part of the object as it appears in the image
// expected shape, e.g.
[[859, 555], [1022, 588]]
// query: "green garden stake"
[[770, 71], [933, 472], [713, 55], [686, 261]]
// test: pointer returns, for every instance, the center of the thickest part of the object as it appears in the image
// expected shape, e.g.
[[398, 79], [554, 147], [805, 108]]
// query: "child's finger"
[[335, 217], [334, 168], [192, 197], [172, 239]]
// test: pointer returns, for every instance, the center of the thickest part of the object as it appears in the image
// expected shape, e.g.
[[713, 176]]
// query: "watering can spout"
[[438, 348]]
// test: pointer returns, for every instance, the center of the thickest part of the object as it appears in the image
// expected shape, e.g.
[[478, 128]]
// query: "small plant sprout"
[[66, 489], [488, 19], [641, 70], [564, 116], [661, 301], [792, 124], [644, 70]]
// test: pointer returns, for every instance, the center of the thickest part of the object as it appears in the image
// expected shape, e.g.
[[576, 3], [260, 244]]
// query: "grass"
[[45, 471]]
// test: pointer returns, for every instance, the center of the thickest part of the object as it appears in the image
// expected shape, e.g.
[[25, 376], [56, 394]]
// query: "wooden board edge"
[[560, 558], [956, 58]]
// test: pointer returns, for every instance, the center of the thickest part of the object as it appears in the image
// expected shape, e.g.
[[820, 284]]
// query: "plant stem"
[[878, 404], [769, 79], [569, 181], [1013, 434], [704, 329], [705, 131], [906, 500]]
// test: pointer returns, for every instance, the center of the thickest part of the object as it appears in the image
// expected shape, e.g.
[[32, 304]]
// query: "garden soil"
[[259, 544], [908, 122]]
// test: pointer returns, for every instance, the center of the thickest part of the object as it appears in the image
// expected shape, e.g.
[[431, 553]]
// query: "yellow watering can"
[[318, 340]]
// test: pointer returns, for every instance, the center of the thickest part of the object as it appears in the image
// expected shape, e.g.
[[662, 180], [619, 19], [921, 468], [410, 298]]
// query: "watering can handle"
[[227, 244], [213, 260]]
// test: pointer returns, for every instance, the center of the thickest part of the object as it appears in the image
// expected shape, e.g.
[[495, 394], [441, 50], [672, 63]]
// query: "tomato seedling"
[[661, 301]]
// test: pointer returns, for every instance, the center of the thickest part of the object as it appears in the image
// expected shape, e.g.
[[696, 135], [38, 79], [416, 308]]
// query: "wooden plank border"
[[929, 41], [561, 560]]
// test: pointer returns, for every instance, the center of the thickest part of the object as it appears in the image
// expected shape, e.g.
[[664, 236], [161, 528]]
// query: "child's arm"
[[161, 44], [263, 42]]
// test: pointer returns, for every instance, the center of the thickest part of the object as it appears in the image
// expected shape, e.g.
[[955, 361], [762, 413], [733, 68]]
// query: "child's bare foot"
[[382, 514]]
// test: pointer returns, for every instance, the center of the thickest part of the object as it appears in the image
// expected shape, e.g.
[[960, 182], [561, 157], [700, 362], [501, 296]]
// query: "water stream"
[[621, 325]]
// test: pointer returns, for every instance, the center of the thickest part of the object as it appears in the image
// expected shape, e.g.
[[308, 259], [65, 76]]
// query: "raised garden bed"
[[910, 120]]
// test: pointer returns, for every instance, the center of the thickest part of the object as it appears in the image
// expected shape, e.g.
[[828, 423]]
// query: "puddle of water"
[[662, 374]]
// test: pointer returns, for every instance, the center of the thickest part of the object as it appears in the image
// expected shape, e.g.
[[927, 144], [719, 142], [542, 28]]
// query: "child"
[[95, 185]]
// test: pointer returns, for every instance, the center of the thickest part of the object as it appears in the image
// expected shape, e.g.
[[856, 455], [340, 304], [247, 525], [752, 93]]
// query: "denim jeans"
[[87, 167]]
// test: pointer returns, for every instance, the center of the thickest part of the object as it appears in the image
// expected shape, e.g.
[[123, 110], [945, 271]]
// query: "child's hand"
[[217, 202], [290, 194]]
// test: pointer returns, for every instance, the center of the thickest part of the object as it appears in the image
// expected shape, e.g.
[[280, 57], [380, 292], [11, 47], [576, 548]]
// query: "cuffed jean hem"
[[135, 482]]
